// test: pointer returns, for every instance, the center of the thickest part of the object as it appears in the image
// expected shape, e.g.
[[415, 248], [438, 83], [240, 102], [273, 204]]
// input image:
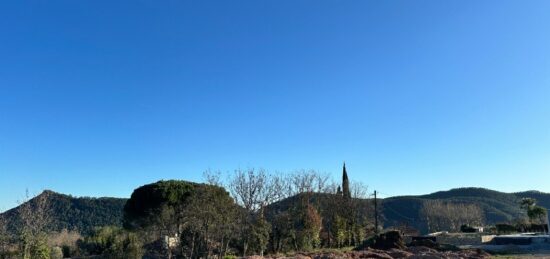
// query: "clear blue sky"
[[99, 97]]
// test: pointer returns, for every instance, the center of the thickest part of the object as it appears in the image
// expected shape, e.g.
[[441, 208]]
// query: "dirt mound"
[[389, 240]]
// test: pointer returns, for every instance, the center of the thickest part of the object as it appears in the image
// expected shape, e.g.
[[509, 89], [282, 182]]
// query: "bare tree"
[[253, 188], [308, 181], [343, 220], [279, 186], [4, 235], [322, 180], [34, 216], [331, 187], [359, 190], [440, 215], [213, 177], [250, 188], [210, 221], [35, 213]]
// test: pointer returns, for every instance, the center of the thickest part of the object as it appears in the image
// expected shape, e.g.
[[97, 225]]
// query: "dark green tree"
[[252, 190], [307, 226], [345, 184], [338, 231], [536, 214], [210, 220], [260, 232], [162, 199], [283, 232], [113, 242]]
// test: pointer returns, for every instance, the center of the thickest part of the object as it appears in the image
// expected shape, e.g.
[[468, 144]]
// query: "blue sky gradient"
[[100, 97]]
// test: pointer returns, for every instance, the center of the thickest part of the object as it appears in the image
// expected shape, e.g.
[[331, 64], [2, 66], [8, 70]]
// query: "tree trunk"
[[192, 246], [245, 246], [222, 252]]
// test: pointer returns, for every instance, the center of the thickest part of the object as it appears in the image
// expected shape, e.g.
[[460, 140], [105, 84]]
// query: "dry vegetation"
[[440, 215]]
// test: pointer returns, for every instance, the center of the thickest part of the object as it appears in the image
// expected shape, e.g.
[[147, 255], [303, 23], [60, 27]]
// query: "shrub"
[[113, 242], [56, 253], [467, 229], [505, 228]]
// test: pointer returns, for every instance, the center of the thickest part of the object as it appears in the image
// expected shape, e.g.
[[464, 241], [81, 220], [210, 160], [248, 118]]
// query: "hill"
[[84, 213], [497, 206], [71, 213], [406, 210], [542, 198]]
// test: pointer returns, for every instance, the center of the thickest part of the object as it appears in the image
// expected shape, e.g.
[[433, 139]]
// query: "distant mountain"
[[405, 210], [72, 213], [84, 214], [498, 206]]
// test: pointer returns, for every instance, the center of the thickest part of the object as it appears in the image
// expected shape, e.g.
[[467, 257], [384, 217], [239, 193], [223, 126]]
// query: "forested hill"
[[66, 212], [84, 214], [542, 198], [497, 206]]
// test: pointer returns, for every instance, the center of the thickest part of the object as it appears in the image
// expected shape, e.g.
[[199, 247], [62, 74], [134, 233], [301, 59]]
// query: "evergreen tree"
[[308, 228], [339, 230], [260, 233], [345, 184]]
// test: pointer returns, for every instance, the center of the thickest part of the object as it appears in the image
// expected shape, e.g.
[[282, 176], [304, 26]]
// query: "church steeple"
[[345, 184]]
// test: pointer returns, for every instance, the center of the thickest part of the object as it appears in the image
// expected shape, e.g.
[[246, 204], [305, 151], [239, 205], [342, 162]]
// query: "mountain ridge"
[[70, 212], [85, 213], [497, 206]]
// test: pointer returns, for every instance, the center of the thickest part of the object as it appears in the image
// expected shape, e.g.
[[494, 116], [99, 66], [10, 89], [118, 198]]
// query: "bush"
[[69, 251], [56, 253], [112, 242], [505, 228], [467, 229], [389, 240], [40, 249]]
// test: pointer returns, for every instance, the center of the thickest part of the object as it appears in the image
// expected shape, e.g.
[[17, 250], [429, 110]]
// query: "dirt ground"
[[411, 253]]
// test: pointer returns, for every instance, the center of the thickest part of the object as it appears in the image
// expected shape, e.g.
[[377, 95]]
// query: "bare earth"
[[411, 252]]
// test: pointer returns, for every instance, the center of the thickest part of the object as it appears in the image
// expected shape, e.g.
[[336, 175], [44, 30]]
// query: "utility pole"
[[375, 214], [546, 228]]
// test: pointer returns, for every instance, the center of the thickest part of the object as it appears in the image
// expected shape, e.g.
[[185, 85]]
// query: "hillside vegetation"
[[81, 214], [249, 215], [497, 206], [84, 213]]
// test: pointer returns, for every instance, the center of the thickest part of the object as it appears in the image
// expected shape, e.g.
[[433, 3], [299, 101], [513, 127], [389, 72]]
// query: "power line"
[[399, 214], [391, 209]]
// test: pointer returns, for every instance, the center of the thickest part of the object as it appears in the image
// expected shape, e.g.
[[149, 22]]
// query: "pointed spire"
[[345, 183], [345, 173]]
